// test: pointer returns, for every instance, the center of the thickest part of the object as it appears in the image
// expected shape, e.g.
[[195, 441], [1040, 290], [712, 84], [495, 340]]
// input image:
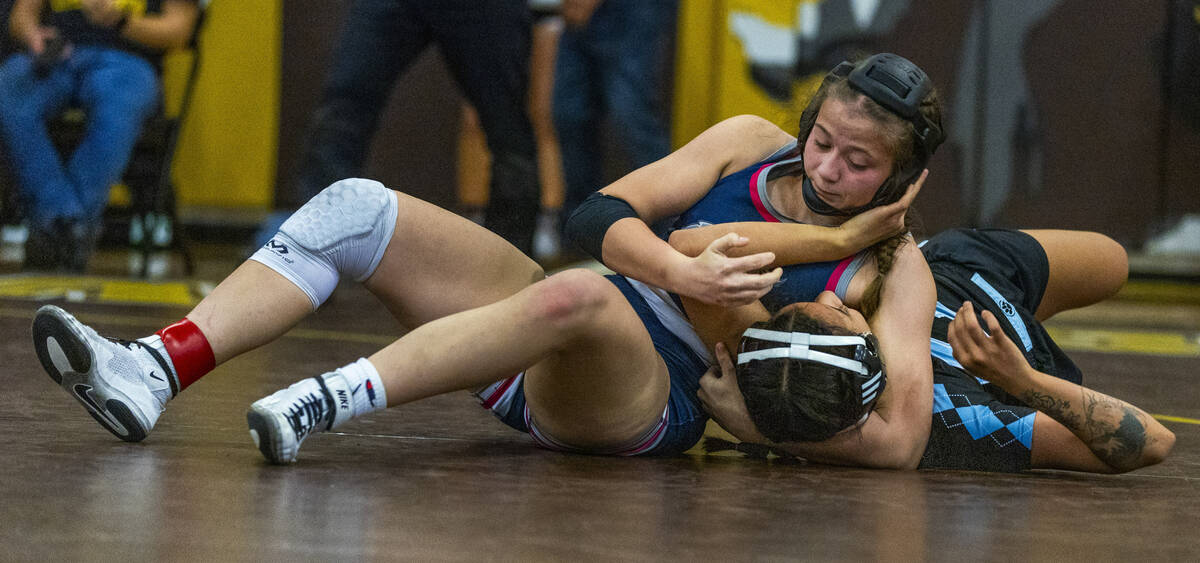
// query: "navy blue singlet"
[[741, 197]]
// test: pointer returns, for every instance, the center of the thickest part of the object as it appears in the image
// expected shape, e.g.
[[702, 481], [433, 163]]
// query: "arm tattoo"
[[1110, 428], [1118, 443], [1059, 410]]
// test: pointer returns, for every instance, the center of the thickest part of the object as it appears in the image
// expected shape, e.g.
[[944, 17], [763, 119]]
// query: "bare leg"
[[436, 263], [595, 379], [439, 263], [1085, 268], [253, 306]]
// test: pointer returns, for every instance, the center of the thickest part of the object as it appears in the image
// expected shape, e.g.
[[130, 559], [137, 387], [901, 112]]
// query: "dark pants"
[[485, 44], [612, 67]]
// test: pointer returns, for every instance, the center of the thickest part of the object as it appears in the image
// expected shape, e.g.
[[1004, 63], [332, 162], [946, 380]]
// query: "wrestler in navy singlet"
[[742, 197], [686, 358]]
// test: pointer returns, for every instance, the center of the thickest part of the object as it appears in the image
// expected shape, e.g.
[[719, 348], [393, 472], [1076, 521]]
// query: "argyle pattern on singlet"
[[1003, 426]]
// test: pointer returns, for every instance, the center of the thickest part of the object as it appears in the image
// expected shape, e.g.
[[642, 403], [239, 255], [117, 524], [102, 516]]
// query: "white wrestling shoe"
[[124, 385], [280, 422]]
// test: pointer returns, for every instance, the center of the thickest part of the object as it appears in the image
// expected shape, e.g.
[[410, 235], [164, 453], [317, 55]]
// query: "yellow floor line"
[[1170, 418], [79, 289], [1159, 292], [1158, 343]]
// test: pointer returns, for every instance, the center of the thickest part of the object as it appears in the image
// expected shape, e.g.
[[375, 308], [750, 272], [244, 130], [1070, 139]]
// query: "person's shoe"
[[124, 385], [280, 422], [546, 243]]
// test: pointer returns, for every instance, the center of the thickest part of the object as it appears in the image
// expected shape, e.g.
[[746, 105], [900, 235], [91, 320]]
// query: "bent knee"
[[569, 299], [345, 209], [344, 229], [1114, 261]]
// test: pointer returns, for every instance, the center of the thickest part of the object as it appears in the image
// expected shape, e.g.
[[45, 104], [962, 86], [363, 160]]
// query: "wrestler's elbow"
[[903, 451], [1155, 447], [1159, 447]]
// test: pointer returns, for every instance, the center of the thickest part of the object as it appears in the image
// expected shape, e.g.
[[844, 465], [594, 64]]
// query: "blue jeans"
[[486, 47], [117, 91], [614, 65]]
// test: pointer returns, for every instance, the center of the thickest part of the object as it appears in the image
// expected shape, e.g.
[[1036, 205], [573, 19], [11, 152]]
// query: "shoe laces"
[[305, 413], [128, 344]]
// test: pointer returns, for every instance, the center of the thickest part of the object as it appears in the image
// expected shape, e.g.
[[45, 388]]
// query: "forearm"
[[24, 19], [169, 30], [630, 248], [792, 243], [1118, 433]]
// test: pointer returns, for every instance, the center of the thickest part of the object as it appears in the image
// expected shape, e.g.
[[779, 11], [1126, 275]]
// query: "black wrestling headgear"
[[898, 85]]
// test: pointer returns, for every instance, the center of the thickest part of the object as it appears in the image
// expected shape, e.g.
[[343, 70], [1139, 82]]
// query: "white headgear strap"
[[799, 347]]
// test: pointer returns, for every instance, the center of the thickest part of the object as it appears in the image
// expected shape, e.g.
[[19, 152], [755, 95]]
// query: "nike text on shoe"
[[280, 422], [124, 385]]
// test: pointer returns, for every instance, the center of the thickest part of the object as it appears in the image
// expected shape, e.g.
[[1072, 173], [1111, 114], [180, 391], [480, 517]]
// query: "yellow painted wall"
[[712, 79], [227, 149]]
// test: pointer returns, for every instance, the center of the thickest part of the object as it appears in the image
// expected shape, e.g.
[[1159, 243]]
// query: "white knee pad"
[[343, 230]]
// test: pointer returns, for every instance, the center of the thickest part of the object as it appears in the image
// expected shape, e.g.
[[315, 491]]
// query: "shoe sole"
[[265, 430], [67, 359]]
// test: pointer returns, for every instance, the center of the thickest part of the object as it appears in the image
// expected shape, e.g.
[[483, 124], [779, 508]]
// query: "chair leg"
[[160, 232]]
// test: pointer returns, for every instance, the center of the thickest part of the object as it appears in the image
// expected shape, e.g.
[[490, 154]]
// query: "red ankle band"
[[189, 351]]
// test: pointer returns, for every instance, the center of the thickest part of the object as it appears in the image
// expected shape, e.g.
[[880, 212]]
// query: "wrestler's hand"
[[577, 13], [886, 221], [994, 358], [723, 400], [102, 13], [715, 278]]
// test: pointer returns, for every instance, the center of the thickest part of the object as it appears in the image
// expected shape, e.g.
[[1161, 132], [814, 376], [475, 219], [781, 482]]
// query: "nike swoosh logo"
[[155, 376], [84, 393]]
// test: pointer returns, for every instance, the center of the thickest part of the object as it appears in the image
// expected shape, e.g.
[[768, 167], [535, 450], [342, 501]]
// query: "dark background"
[[1118, 129]]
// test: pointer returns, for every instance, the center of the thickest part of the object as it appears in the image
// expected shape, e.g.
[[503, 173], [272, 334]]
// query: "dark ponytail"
[[749, 449]]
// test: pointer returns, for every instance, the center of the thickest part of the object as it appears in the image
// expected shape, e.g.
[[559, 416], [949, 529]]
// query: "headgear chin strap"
[[898, 85], [866, 362]]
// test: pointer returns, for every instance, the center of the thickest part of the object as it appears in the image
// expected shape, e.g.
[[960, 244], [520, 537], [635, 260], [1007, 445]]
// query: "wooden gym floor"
[[442, 480]]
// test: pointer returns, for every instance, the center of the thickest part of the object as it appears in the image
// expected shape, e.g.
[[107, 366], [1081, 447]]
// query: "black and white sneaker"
[[280, 422], [124, 385]]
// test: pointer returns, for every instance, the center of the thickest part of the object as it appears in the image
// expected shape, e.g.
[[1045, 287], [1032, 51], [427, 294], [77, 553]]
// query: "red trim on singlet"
[[758, 204], [836, 276], [650, 442], [491, 400], [548, 442]]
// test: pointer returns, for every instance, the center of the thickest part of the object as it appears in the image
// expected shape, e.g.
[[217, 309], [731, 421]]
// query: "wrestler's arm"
[[1084, 430], [169, 29], [799, 243], [895, 434], [669, 187]]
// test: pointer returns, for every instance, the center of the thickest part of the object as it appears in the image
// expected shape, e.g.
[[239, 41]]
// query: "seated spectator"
[[102, 56]]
